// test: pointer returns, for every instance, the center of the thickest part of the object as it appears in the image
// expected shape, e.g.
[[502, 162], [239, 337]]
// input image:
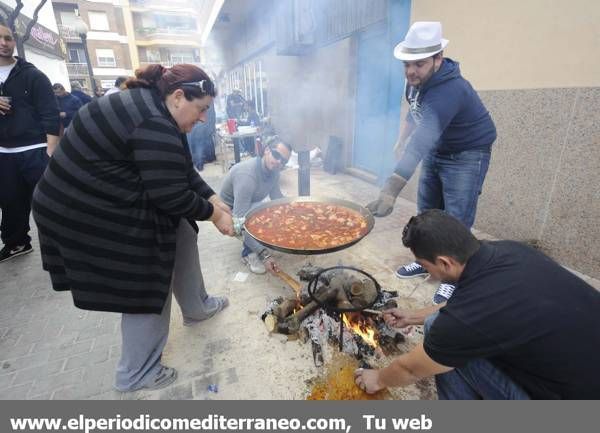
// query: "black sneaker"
[[443, 293], [411, 270], [8, 253]]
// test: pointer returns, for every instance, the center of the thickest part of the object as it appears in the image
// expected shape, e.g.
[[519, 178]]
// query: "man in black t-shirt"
[[518, 325]]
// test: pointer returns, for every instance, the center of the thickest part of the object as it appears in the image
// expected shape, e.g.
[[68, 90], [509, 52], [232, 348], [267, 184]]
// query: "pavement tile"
[[181, 391], [27, 361], [12, 351], [38, 372], [6, 380], [96, 356], [69, 350], [56, 382], [16, 392]]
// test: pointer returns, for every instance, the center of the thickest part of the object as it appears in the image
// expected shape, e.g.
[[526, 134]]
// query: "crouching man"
[[518, 326], [246, 185]]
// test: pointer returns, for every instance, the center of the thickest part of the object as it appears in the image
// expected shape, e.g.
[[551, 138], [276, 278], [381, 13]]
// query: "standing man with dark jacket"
[[29, 128], [67, 104], [79, 93], [448, 128]]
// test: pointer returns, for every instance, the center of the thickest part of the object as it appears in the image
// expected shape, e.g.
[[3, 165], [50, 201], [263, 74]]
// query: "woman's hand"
[[222, 221], [217, 202], [271, 266]]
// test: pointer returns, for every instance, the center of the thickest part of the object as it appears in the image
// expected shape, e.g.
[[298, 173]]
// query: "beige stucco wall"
[[520, 44]]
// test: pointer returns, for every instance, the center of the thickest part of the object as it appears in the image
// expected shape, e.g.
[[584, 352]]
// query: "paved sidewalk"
[[51, 350]]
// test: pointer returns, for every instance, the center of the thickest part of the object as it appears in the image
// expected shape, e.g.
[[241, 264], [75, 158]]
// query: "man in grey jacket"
[[245, 186]]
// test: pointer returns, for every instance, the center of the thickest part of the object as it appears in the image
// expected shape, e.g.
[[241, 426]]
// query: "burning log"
[[290, 281], [291, 324], [286, 308]]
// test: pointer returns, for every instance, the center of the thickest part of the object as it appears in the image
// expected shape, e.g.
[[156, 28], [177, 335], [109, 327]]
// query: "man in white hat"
[[448, 128]]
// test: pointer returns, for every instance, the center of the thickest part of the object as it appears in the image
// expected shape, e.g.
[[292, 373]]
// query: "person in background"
[[29, 130], [116, 215], [201, 140], [249, 117], [235, 104], [448, 128], [246, 185], [518, 326], [119, 85], [98, 92], [77, 91], [67, 104]]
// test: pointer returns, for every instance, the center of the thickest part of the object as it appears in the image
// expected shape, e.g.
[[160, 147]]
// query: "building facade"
[[107, 40], [166, 32]]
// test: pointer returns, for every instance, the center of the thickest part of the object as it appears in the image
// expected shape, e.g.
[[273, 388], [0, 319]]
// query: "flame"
[[362, 329]]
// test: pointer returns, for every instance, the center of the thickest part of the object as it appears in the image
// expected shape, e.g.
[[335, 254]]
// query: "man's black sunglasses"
[[279, 157]]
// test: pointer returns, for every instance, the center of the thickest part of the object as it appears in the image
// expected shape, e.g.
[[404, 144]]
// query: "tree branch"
[[34, 19], [13, 16]]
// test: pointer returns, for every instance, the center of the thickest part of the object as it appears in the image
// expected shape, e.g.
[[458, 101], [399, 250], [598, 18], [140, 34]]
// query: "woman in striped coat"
[[118, 201]]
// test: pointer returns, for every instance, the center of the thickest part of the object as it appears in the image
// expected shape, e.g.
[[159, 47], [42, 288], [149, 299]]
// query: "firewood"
[[290, 281], [286, 308], [291, 324]]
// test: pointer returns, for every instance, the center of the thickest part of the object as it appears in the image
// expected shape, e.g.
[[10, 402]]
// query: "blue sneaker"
[[443, 293], [411, 270]]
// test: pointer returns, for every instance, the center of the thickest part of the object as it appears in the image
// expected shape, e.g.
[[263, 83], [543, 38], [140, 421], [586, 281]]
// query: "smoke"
[[311, 92]]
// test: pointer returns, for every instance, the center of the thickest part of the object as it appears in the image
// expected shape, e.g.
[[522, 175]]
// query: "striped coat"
[[109, 202]]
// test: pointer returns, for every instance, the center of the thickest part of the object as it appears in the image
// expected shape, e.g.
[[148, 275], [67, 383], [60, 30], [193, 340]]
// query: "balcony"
[[68, 33], [77, 69], [188, 6], [155, 32], [169, 64]]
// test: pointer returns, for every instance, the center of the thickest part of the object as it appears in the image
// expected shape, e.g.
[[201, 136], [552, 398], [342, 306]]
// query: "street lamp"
[[82, 29]]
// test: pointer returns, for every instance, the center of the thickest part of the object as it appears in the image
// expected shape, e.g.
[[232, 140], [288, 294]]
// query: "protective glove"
[[238, 224], [384, 205]]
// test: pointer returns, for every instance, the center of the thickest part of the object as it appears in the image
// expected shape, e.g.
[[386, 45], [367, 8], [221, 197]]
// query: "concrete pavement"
[[51, 350]]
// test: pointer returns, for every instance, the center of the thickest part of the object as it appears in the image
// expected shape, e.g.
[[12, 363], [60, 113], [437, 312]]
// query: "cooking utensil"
[[327, 200]]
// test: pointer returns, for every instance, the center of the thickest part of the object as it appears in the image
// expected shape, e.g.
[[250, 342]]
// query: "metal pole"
[[260, 82], [83, 37], [255, 87], [304, 173], [245, 84]]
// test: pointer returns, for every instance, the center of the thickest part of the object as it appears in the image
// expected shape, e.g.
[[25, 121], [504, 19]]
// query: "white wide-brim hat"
[[424, 39]]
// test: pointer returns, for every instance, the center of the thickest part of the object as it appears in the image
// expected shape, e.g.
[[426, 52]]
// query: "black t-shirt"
[[530, 317]]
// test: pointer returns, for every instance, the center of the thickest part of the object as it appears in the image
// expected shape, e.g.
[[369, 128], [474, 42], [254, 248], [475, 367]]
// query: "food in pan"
[[307, 225]]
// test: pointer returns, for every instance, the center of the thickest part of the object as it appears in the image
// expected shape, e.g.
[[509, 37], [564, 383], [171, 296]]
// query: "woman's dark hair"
[[194, 82], [275, 140], [434, 233]]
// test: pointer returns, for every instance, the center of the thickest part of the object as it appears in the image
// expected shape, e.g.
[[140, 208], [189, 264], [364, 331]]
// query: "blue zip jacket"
[[68, 104], [448, 117]]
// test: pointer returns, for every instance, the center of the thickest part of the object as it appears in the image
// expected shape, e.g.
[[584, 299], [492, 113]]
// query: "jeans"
[[477, 380], [19, 173], [453, 182]]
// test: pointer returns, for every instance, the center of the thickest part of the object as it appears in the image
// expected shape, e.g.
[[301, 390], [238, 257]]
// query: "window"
[[106, 57], [182, 58], [153, 54], [98, 21], [68, 18], [76, 55]]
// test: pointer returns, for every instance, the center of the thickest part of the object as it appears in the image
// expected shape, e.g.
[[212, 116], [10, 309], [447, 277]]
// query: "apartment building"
[[167, 32], [107, 41]]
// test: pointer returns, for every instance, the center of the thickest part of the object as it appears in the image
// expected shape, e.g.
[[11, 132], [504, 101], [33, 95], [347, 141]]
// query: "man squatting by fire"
[[518, 326], [246, 185]]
